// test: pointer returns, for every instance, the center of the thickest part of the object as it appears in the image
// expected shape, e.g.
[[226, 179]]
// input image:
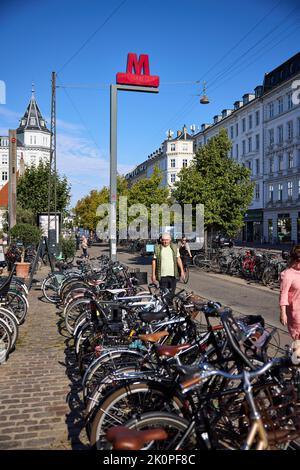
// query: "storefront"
[[253, 229]]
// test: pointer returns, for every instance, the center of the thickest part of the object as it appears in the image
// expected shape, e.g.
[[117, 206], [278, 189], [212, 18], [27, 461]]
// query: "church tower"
[[33, 136]]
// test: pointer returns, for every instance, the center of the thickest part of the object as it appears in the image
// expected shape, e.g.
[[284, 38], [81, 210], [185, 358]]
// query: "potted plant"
[[28, 235]]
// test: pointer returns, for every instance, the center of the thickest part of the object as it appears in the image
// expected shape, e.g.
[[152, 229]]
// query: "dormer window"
[[32, 121], [42, 123], [23, 122]]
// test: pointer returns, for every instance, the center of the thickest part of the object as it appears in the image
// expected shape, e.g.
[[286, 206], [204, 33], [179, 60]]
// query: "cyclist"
[[185, 252]]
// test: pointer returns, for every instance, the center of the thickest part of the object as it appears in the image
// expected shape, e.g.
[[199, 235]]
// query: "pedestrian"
[[84, 245], [77, 236], [290, 294], [165, 264]]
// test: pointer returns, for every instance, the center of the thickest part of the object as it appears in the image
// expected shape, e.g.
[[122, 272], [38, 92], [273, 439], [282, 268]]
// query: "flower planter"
[[22, 269]]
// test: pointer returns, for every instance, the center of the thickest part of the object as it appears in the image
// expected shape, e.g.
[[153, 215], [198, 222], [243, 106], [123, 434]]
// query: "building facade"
[[264, 129], [173, 155], [33, 141]]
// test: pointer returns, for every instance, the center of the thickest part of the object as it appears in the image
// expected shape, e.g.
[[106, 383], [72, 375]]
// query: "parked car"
[[222, 241]]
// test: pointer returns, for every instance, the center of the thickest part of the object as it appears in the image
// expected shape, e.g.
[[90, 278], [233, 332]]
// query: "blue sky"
[[230, 44]]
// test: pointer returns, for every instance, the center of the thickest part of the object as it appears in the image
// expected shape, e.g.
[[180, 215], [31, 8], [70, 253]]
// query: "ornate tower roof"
[[32, 119]]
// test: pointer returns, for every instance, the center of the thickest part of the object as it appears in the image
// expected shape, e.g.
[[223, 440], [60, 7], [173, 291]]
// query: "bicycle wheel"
[[12, 322], [5, 338], [128, 401], [201, 263], [74, 310], [186, 274], [17, 303], [175, 426], [50, 289]]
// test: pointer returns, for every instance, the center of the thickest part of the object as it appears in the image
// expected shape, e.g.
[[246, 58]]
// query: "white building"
[[264, 129], [282, 153], [33, 141], [170, 158]]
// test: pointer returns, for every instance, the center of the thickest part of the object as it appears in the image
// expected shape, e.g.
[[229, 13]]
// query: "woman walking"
[[84, 245], [290, 294]]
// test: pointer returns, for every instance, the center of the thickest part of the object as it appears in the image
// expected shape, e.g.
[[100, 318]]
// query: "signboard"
[[137, 72], [43, 224], [150, 248]]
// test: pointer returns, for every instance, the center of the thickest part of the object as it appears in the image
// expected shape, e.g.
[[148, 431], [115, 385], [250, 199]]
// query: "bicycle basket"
[[280, 412]]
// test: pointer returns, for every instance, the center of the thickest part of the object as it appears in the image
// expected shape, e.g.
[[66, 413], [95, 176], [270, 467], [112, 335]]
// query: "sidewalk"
[[39, 406]]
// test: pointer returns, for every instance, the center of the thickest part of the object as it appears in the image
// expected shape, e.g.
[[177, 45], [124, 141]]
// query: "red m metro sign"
[[137, 77]]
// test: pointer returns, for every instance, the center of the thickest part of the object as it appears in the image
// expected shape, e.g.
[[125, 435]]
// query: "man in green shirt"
[[165, 263]]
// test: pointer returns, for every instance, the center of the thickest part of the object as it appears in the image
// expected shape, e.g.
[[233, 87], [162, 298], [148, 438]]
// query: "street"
[[243, 297]]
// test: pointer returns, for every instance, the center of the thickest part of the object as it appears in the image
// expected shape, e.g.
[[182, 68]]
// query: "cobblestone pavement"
[[40, 404]]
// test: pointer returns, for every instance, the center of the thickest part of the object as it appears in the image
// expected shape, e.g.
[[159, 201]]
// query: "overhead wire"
[[92, 35]]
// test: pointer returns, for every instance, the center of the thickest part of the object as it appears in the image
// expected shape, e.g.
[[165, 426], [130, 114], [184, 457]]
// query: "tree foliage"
[[86, 208], [26, 233], [32, 189], [220, 183]]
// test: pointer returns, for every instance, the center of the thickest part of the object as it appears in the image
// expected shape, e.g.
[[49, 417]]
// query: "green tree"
[[220, 183], [32, 189], [86, 208]]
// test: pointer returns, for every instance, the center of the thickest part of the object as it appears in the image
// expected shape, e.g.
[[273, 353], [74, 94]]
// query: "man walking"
[[165, 263]]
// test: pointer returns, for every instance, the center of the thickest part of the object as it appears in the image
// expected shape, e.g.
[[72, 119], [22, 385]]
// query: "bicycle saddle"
[[171, 351], [154, 337], [123, 438], [147, 317]]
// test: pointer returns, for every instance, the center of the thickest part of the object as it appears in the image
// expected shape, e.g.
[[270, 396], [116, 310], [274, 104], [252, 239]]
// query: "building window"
[[236, 129], [34, 140], [257, 141], [244, 147], [271, 136], [280, 105], [257, 191], [243, 124], [237, 150], [31, 140], [257, 166], [298, 189], [280, 191], [184, 147], [249, 165], [250, 121], [231, 152], [271, 191], [32, 121], [32, 159], [290, 189], [289, 101], [4, 160], [271, 110], [290, 130], [257, 118], [280, 162], [173, 177], [4, 175], [280, 134], [172, 162], [250, 144], [271, 165], [173, 147], [290, 160], [184, 162]]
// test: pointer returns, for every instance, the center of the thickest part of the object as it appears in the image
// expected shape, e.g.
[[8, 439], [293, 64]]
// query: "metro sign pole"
[[129, 81]]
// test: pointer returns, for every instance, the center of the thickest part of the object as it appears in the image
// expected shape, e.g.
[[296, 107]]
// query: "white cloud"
[[85, 166]]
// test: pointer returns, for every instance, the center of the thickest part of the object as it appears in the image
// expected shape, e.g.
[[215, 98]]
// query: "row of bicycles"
[[13, 310], [174, 373], [259, 266]]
